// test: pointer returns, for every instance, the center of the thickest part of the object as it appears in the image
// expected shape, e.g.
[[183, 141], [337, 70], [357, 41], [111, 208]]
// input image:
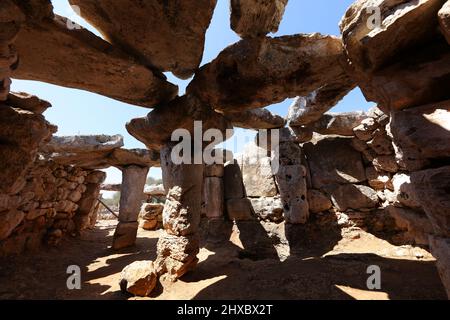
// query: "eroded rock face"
[[338, 123], [256, 119], [168, 35], [351, 196], [291, 181], [28, 102], [310, 108], [21, 135], [268, 208], [333, 160], [157, 127], [318, 202], [380, 55], [51, 50], [440, 248], [253, 18], [269, 70], [431, 192], [177, 255], [444, 20], [421, 134], [151, 216], [138, 278]]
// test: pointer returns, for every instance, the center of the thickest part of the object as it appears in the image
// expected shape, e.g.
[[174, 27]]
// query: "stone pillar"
[[178, 246], [213, 192], [133, 183]]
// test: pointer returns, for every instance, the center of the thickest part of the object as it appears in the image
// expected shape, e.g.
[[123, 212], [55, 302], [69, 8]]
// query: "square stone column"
[[133, 183]]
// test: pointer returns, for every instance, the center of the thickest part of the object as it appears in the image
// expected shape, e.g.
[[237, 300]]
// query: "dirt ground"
[[336, 270]]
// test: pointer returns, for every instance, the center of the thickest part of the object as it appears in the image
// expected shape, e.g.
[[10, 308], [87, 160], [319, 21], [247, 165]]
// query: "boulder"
[[157, 127], [318, 202], [125, 235], [440, 248], [421, 134], [151, 216], [52, 51], [430, 189], [378, 180], [239, 209], [291, 182], [257, 172], [268, 208], [269, 70], [381, 143], [385, 163], [177, 255], [333, 160], [404, 191], [255, 119], [172, 40], [338, 123], [444, 20], [22, 132], [310, 108], [365, 130], [352, 196], [255, 18], [138, 278], [28, 102]]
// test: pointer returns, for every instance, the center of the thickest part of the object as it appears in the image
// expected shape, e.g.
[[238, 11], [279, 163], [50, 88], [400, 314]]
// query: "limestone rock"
[[9, 220], [440, 248], [257, 172], [96, 177], [350, 196], [151, 216], [333, 160], [172, 40], [254, 18], [431, 192], [51, 51], [157, 127], [125, 235], [21, 134], [181, 215], [404, 192], [176, 255], [155, 190], [255, 119], [137, 157], [444, 20], [310, 108], [385, 163], [378, 180], [268, 208], [416, 224], [138, 278], [213, 196], [79, 144], [239, 209], [421, 133], [318, 202], [377, 54], [232, 180], [338, 123], [28, 102], [291, 182], [403, 23], [365, 130], [133, 182], [269, 70]]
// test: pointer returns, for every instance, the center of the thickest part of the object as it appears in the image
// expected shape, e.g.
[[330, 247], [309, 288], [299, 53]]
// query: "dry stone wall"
[[53, 201]]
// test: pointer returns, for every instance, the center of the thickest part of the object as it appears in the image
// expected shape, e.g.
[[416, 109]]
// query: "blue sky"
[[80, 112]]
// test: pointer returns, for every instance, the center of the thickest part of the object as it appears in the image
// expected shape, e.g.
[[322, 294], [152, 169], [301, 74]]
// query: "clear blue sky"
[[80, 112]]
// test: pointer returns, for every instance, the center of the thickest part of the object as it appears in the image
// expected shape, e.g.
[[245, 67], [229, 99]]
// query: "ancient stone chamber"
[[385, 172]]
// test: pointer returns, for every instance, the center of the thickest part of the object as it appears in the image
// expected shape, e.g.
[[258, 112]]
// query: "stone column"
[[213, 193], [178, 246], [133, 183]]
